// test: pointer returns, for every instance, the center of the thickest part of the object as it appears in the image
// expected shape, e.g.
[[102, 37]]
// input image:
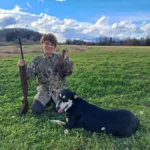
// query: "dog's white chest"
[[67, 119], [103, 129]]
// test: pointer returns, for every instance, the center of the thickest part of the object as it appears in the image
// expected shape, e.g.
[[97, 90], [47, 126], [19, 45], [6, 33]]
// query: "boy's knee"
[[37, 107]]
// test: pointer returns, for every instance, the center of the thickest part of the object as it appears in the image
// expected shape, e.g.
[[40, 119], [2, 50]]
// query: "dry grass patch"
[[9, 51], [80, 48]]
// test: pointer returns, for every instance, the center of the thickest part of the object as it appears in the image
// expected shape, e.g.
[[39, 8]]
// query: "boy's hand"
[[21, 62]]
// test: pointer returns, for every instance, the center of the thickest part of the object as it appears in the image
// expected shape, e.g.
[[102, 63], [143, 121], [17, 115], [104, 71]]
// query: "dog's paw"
[[53, 121], [58, 122], [66, 131]]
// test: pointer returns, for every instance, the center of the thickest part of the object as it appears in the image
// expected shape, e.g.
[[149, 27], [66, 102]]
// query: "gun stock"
[[24, 83]]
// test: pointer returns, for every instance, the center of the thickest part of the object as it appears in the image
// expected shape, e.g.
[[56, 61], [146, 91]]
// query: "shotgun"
[[24, 83]]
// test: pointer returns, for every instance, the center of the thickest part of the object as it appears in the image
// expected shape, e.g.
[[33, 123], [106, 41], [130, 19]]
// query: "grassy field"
[[109, 77]]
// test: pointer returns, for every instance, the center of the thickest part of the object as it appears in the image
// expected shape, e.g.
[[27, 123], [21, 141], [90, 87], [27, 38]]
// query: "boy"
[[47, 68]]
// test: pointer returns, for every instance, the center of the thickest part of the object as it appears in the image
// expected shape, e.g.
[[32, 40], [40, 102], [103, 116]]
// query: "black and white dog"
[[81, 114]]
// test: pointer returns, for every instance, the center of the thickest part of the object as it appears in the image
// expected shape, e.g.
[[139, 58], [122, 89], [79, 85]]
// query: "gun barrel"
[[23, 76], [21, 49]]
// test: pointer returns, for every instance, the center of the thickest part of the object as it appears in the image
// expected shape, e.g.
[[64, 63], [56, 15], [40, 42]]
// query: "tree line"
[[12, 35], [110, 41], [32, 37]]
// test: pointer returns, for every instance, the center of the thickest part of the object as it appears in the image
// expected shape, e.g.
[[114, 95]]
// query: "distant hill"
[[27, 36]]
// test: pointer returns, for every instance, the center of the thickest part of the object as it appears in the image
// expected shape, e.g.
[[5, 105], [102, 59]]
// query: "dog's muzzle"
[[61, 110]]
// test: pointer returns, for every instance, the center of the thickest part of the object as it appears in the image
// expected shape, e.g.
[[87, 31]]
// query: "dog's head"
[[65, 100]]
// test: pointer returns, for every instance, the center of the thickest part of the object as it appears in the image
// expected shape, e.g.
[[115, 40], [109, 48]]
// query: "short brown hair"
[[49, 37]]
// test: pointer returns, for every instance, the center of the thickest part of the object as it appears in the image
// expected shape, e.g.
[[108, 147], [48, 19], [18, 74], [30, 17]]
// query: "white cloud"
[[102, 20], [7, 19], [28, 4], [23, 19], [146, 29], [16, 9], [70, 28]]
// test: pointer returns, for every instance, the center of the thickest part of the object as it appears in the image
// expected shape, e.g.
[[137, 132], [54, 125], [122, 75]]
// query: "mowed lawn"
[[109, 77]]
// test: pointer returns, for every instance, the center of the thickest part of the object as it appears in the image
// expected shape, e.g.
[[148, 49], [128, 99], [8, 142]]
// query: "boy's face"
[[48, 48]]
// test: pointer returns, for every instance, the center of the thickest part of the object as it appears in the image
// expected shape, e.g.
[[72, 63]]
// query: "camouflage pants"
[[44, 96]]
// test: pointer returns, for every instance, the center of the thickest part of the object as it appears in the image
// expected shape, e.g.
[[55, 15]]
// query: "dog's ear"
[[75, 96]]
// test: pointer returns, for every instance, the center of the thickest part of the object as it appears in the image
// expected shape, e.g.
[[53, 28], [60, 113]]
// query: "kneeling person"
[[50, 69]]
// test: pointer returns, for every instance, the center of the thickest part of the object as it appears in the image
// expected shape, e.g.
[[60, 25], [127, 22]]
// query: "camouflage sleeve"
[[31, 73]]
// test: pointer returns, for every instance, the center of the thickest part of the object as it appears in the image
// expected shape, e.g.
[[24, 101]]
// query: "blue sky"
[[79, 19]]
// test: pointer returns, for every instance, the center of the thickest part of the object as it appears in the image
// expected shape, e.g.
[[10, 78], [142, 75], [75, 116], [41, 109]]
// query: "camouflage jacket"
[[44, 68]]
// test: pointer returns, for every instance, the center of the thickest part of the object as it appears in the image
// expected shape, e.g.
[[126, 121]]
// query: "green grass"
[[109, 77]]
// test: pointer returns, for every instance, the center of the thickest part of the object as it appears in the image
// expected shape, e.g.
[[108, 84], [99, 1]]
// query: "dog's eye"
[[65, 99]]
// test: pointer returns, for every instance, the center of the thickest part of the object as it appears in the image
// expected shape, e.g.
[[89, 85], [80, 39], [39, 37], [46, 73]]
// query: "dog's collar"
[[66, 107]]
